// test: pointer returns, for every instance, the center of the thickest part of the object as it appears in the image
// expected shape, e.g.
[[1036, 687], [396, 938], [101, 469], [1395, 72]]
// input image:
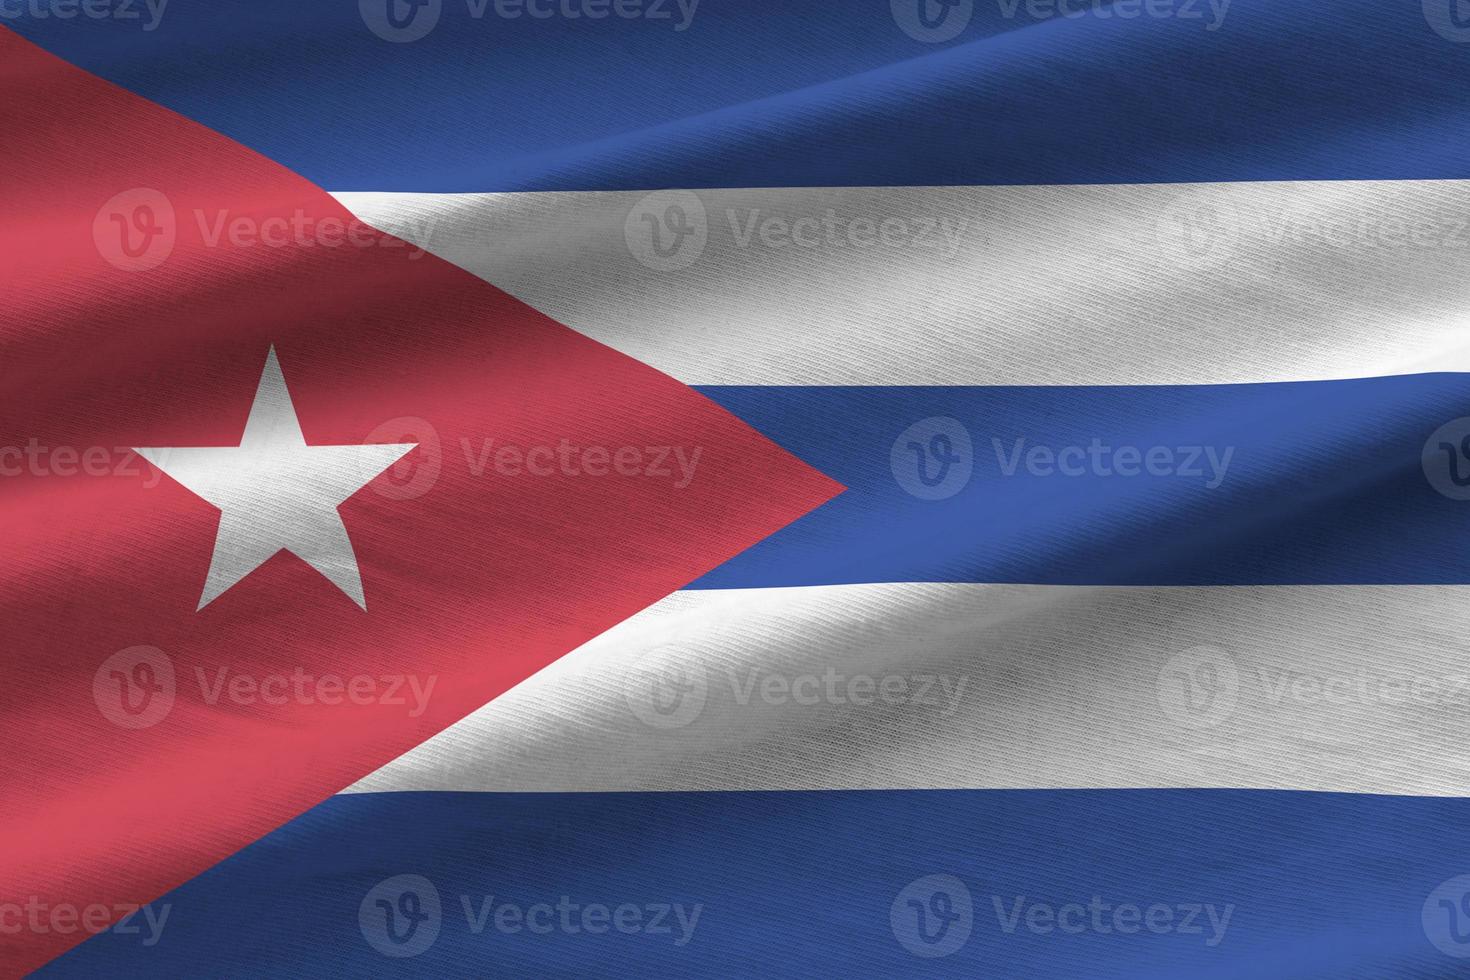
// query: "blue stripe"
[[802, 93], [803, 884], [1324, 485]]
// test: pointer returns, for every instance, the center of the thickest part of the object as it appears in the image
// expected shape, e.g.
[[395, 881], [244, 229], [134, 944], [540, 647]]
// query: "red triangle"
[[473, 579]]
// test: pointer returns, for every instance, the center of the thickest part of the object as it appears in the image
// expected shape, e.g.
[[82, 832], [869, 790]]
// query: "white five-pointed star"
[[277, 493]]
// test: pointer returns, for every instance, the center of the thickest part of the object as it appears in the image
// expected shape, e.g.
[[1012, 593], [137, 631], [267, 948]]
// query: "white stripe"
[[1338, 688], [1116, 284]]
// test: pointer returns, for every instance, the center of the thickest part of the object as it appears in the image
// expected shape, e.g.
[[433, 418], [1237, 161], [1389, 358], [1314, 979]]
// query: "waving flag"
[[707, 488]]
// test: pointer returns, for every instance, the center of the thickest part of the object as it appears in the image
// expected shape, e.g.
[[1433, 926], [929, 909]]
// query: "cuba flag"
[[705, 488]]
